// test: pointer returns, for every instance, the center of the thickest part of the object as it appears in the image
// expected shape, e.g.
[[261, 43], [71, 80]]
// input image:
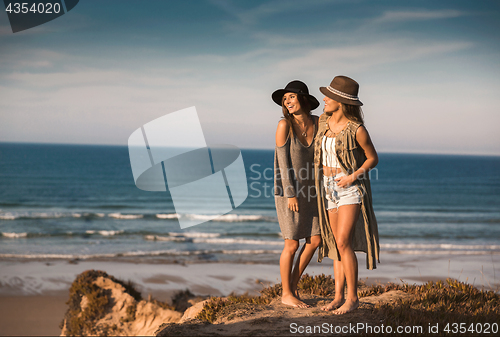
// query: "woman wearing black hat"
[[295, 192], [343, 156]]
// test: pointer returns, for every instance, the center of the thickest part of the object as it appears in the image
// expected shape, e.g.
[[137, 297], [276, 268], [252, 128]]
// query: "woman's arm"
[[364, 140], [283, 159], [282, 132]]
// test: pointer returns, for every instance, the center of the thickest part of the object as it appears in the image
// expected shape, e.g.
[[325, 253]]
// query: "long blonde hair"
[[353, 112]]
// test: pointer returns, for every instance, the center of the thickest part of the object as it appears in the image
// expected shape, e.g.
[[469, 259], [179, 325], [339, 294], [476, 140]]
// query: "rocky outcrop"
[[102, 305], [192, 311]]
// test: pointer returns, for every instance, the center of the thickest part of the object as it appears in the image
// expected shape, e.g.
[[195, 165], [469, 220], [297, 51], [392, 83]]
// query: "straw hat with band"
[[297, 87], [343, 89]]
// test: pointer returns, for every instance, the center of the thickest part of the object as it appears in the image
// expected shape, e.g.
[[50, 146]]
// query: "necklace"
[[304, 132], [334, 134]]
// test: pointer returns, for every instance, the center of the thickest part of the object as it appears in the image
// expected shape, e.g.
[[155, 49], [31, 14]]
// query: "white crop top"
[[329, 156]]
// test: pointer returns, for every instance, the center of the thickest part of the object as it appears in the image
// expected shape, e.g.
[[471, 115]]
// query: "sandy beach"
[[34, 293]]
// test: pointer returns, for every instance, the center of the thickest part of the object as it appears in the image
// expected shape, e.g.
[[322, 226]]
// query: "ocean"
[[79, 202]]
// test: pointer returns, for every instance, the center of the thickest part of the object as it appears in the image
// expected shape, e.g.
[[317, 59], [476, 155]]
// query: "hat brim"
[[338, 98], [278, 95]]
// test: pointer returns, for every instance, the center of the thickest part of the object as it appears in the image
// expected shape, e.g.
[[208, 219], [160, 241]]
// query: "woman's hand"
[[364, 140], [293, 204], [345, 181]]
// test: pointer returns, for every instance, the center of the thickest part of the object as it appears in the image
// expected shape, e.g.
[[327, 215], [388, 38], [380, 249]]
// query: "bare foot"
[[333, 305], [293, 301], [296, 294], [348, 306]]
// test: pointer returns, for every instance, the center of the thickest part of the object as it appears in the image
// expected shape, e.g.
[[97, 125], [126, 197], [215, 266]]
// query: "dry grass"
[[320, 285], [218, 306], [377, 289], [211, 308], [442, 302], [451, 302]]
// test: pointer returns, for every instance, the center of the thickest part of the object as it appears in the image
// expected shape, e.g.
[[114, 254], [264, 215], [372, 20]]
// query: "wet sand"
[[37, 315]]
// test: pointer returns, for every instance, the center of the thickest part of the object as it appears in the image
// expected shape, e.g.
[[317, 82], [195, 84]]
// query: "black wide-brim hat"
[[297, 87], [343, 89]]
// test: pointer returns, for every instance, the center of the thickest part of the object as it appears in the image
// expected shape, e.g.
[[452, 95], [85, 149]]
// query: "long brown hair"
[[353, 112], [304, 105]]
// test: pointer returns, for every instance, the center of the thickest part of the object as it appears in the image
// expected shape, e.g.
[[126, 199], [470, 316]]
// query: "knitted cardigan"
[[351, 157]]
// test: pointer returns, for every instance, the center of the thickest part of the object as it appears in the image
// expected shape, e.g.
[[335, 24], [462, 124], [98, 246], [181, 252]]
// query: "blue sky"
[[429, 70]]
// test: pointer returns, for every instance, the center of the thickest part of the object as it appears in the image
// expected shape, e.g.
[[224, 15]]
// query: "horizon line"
[[268, 149]]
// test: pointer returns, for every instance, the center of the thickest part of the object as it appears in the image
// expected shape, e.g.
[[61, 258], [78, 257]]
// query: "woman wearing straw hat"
[[343, 156], [295, 191]]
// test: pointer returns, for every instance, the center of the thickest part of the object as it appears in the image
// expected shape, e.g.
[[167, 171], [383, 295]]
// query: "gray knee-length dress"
[[294, 177]]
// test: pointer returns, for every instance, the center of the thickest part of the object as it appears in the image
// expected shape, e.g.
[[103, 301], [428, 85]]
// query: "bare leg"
[[338, 269], [305, 256], [295, 274], [347, 217], [286, 261]]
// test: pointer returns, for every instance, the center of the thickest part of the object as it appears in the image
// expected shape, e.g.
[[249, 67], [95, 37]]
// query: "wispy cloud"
[[5, 30], [30, 59], [418, 15], [252, 16], [93, 76], [364, 56]]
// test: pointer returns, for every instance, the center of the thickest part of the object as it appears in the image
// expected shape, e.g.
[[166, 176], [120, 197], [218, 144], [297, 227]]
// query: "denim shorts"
[[339, 196]]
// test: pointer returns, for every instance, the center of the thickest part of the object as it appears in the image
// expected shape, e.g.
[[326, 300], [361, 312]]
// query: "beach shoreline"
[[29, 287]]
